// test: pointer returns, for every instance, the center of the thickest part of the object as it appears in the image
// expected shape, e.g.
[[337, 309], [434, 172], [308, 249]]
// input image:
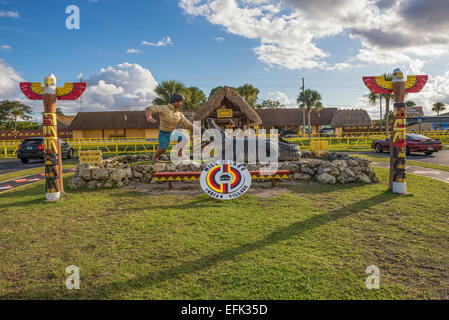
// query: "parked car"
[[415, 143], [327, 132], [33, 148]]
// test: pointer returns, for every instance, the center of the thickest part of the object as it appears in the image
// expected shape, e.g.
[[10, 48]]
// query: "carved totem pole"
[[49, 94], [398, 140]]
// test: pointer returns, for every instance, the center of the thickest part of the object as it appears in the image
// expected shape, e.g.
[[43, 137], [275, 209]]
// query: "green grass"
[[311, 242], [440, 167], [27, 172]]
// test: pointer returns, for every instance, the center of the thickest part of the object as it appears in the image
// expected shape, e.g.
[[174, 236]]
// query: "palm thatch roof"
[[351, 118], [293, 117], [231, 99]]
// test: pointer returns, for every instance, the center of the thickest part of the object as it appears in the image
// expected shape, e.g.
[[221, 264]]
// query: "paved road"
[[431, 173], [7, 166], [441, 157]]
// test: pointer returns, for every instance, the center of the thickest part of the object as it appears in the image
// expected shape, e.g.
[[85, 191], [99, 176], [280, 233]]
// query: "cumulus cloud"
[[161, 43], [9, 81], [279, 96], [133, 51], [125, 86], [9, 14], [289, 31]]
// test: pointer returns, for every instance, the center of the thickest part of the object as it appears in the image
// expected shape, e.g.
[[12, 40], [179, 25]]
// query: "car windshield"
[[32, 142], [417, 137]]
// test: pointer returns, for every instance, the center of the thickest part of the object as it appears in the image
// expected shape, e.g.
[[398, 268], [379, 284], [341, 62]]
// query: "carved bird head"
[[50, 80], [398, 75]]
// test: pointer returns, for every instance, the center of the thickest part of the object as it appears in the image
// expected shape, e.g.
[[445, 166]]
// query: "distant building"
[[228, 109]]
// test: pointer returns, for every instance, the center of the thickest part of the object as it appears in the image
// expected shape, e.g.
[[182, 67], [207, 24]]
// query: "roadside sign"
[[90, 156]]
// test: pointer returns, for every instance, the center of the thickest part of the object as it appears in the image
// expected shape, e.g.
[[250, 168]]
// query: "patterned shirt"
[[169, 118]]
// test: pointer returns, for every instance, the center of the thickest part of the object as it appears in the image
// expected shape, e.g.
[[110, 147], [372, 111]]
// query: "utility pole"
[[81, 98], [381, 119], [303, 111]]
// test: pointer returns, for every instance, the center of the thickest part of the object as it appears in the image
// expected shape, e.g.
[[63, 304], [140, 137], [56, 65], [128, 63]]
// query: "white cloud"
[[9, 81], [5, 47], [219, 39], [289, 31], [280, 96], [161, 43], [125, 86], [9, 14], [133, 51]]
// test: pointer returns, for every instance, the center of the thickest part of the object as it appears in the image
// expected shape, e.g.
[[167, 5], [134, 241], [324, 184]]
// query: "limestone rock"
[[326, 178], [159, 167]]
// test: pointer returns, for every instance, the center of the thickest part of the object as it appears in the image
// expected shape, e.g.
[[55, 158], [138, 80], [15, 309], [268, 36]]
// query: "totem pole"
[[49, 94], [398, 140]]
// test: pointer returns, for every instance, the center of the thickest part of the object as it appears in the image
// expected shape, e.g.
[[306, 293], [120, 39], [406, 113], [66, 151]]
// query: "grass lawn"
[[27, 172], [440, 167], [310, 242]]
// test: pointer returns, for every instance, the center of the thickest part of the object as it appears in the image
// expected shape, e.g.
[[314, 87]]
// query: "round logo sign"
[[225, 179]]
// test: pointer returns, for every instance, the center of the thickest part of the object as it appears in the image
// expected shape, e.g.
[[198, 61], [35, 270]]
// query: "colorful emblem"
[[225, 180], [379, 85]]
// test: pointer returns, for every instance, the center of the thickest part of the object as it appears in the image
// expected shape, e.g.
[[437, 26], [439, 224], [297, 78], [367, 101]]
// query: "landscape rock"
[[326, 178]]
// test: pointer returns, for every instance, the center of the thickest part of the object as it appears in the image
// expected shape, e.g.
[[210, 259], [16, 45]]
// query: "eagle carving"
[[70, 91]]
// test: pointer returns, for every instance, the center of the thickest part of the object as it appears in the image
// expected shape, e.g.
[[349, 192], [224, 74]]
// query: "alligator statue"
[[286, 151]]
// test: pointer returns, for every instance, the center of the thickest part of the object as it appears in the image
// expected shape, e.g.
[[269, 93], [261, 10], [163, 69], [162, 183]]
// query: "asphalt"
[[8, 166], [20, 182], [420, 171], [441, 157]]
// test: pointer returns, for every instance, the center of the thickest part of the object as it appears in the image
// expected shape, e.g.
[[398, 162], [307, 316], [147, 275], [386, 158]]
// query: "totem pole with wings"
[[398, 141], [49, 94]]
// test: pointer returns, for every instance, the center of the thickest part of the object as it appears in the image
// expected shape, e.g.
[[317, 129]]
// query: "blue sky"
[[268, 43]]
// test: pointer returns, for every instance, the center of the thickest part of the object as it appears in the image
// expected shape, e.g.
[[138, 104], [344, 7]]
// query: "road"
[[441, 157], [7, 166]]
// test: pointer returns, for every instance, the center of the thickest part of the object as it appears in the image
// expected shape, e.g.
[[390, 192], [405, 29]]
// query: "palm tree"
[[249, 93], [166, 89], [373, 99], [20, 111], [438, 107], [410, 103], [195, 98], [310, 99]]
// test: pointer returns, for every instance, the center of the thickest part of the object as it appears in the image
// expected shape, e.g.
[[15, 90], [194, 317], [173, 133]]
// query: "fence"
[[117, 146]]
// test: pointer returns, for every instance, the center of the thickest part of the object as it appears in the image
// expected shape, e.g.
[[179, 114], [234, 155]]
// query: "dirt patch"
[[260, 189]]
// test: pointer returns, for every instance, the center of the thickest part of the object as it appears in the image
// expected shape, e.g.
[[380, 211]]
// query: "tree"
[[388, 98], [309, 99], [13, 111], [249, 93], [166, 89], [195, 98], [410, 103], [59, 112], [373, 100], [214, 90], [269, 104], [438, 107]]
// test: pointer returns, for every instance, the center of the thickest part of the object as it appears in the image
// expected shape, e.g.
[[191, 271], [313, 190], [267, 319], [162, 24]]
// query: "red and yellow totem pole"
[[398, 141], [49, 94]]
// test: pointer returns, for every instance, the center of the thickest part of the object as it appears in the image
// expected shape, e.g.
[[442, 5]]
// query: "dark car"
[[327, 132], [33, 148], [415, 143]]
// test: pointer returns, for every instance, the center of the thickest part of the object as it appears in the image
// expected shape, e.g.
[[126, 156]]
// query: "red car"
[[415, 143]]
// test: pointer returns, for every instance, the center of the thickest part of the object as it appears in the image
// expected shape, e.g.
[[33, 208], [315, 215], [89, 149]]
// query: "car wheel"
[[25, 160], [428, 153], [407, 151], [70, 154], [378, 148]]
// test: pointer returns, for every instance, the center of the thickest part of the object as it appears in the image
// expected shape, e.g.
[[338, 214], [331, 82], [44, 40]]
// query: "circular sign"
[[225, 179]]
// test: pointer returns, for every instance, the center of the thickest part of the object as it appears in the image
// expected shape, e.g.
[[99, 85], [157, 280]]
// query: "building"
[[115, 124], [229, 110]]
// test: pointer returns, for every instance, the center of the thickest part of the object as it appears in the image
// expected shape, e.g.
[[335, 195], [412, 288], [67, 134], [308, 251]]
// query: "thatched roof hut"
[[351, 118], [230, 99], [293, 117]]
